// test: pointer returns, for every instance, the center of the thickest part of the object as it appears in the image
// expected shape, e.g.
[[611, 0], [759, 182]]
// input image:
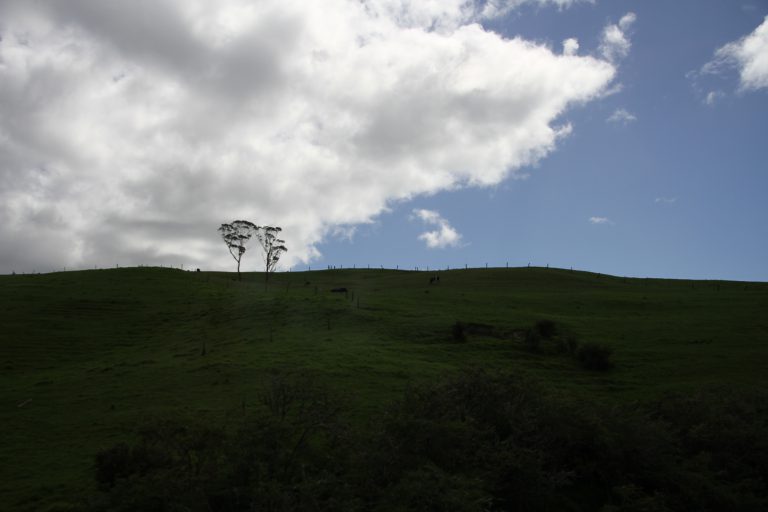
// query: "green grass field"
[[86, 357]]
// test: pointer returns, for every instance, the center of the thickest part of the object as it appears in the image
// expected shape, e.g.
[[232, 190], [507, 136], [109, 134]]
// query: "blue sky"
[[683, 186], [614, 136]]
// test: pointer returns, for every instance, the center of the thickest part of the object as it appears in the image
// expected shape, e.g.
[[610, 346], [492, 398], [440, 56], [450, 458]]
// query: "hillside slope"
[[88, 356]]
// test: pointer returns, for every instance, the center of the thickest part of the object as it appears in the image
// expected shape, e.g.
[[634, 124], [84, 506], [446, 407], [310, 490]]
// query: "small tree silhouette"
[[236, 235], [273, 247]]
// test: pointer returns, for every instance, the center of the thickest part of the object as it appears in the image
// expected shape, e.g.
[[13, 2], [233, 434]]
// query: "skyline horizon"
[[617, 136], [399, 268]]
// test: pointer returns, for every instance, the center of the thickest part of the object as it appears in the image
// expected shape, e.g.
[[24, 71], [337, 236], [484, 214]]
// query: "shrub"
[[458, 332], [481, 329], [62, 506], [568, 344], [532, 340], [478, 441], [112, 464], [572, 343], [430, 488], [595, 356], [546, 328], [633, 499]]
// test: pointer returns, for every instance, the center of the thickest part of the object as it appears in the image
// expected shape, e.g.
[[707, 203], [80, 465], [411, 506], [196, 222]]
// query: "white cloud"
[[600, 220], [627, 21], [447, 15], [444, 236], [712, 97], [570, 46], [342, 232], [749, 54], [496, 8], [129, 132], [666, 200], [616, 88], [621, 115], [615, 44]]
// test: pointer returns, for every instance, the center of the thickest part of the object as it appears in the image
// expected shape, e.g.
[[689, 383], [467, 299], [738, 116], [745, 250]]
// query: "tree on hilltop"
[[236, 235], [273, 247]]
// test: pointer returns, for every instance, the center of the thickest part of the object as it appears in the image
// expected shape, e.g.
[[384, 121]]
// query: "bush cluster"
[[541, 331], [476, 442], [592, 356], [595, 356], [458, 332]]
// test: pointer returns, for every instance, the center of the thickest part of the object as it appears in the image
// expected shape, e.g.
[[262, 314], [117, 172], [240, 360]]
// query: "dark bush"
[[724, 434], [481, 329], [572, 343], [567, 344], [477, 441], [458, 332], [595, 356], [631, 498], [532, 340], [112, 464], [431, 488], [285, 460], [546, 328]]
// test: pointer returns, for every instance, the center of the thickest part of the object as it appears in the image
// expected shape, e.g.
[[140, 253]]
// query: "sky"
[[621, 137]]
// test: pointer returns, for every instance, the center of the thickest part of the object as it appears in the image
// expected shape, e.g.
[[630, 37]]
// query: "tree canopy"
[[273, 246], [236, 235]]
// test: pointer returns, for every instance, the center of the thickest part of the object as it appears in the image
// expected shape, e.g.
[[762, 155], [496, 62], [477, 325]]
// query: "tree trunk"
[[238, 271]]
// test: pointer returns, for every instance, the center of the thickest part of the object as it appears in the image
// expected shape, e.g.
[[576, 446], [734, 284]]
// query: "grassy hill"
[[87, 357]]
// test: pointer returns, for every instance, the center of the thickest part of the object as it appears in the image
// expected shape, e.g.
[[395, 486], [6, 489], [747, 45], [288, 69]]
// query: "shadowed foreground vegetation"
[[475, 442], [498, 389]]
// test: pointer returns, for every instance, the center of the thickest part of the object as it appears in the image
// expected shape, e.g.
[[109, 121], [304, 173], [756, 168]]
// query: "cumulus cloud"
[[130, 129], [444, 236], [615, 44], [570, 46], [622, 116], [749, 55], [600, 220]]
